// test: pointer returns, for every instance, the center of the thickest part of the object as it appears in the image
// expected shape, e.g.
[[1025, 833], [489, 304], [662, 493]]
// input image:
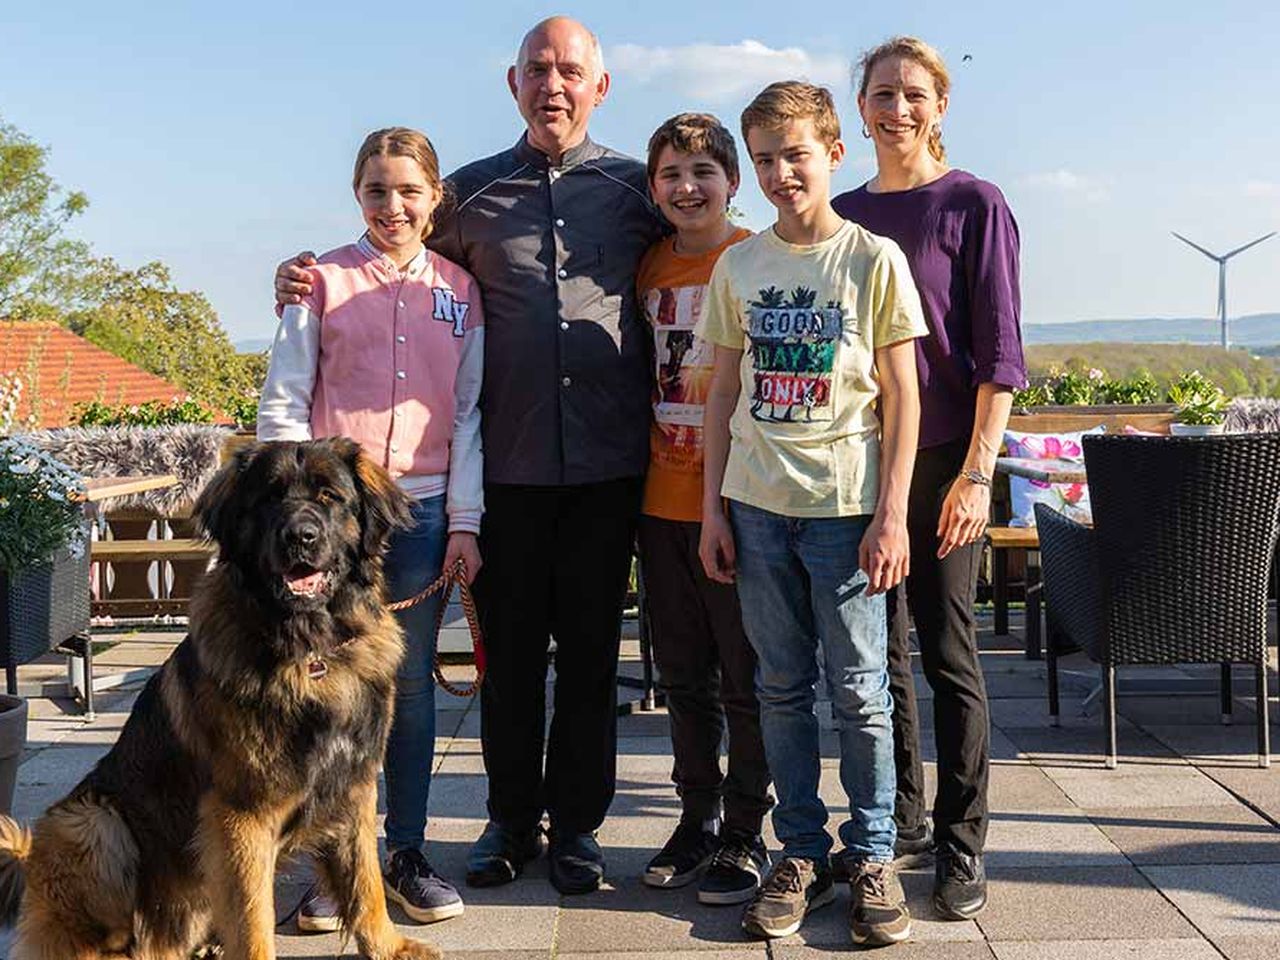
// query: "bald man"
[[552, 229]]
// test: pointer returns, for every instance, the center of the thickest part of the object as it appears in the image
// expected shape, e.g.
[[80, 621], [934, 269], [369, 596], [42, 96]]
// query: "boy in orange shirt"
[[706, 667]]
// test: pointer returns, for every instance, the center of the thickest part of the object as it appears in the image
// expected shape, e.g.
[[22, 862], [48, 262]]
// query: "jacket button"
[[564, 324], [566, 381], [400, 374], [562, 273]]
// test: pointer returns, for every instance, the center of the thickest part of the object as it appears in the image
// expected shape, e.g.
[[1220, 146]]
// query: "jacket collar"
[[528, 153]]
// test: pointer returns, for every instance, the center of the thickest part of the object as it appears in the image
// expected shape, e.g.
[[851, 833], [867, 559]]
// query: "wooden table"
[[103, 488], [1046, 471]]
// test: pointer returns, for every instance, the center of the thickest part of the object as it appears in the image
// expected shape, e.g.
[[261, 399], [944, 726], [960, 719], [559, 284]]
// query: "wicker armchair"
[[1175, 568]]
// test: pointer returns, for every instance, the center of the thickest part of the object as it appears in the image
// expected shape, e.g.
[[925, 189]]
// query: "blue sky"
[[218, 138]]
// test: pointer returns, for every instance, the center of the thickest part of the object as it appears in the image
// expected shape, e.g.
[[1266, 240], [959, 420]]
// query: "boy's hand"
[[293, 282], [964, 515], [715, 547], [884, 554], [464, 547]]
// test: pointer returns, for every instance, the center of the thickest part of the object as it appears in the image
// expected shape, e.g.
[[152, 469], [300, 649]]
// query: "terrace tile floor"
[[1173, 856]]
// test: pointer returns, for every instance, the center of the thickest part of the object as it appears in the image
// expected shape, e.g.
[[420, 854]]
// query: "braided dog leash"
[[446, 581]]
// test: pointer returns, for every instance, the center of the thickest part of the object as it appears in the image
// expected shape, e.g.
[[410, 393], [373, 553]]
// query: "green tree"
[[36, 261], [141, 316]]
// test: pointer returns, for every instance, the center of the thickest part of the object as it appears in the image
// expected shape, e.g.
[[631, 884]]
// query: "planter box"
[[43, 606]]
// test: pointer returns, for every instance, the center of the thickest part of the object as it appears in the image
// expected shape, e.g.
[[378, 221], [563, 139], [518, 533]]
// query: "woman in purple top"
[[962, 244]]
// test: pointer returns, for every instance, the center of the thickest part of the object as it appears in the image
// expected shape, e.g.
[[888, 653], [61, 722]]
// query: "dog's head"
[[298, 520]]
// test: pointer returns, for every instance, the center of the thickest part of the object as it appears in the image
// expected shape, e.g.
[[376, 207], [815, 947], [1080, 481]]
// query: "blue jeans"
[[414, 558], [799, 585]]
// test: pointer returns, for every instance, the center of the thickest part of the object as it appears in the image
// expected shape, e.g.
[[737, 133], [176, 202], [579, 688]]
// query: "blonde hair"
[[916, 50], [401, 142], [780, 103], [695, 133]]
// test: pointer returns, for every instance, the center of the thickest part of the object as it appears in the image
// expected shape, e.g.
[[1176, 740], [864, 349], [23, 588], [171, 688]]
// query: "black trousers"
[[707, 670], [556, 562], [940, 595]]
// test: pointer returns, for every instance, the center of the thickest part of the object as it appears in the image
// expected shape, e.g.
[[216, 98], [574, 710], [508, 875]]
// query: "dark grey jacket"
[[567, 377]]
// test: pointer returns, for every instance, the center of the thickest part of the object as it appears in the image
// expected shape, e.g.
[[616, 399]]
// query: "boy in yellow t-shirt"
[[706, 666], [813, 323]]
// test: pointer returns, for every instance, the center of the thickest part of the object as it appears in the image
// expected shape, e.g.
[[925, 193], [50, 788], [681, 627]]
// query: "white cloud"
[[1065, 182], [1267, 189], [719, 72]]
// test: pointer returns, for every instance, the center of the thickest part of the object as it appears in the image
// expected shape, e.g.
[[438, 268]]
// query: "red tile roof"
[[60, 369]]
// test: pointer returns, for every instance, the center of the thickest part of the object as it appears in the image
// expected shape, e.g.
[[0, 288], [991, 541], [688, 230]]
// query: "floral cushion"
[[1070, 499]]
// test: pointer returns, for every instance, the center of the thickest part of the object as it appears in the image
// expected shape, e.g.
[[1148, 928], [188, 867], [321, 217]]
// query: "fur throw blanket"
[[188, 451], [1253, 415]]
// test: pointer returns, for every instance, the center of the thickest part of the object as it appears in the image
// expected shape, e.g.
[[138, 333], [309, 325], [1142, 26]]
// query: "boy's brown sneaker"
[[793, 888], [878, 913]]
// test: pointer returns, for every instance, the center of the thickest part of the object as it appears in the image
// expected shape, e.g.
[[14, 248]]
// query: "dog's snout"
[[305, 533]]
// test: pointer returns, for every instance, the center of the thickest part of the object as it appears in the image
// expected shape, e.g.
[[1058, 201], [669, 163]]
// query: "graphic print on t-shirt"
[[793, 348], [683, 362]]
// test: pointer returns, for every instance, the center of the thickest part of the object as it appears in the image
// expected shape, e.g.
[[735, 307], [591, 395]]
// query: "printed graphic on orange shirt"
[[793, 348], [683, 362]]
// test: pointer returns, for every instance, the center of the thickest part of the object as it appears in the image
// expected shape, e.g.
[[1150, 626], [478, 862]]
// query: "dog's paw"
[[417, 950]]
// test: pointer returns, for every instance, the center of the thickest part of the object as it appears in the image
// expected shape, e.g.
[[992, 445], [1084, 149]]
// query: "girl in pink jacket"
[[388, 350]]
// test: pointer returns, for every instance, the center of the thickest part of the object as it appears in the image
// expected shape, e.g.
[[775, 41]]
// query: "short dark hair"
[[695, 133]]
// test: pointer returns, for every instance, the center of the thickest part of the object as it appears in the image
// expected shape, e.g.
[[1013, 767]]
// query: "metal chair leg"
[[1051, 674], [1264, 729], [1224, 690], [1109, 712]]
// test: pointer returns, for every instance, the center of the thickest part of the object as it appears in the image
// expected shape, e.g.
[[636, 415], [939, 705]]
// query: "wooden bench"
[[1004, 540]]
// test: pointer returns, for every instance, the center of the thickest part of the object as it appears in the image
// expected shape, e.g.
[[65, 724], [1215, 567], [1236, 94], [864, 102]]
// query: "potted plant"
[[1201, 406], [44, 576]]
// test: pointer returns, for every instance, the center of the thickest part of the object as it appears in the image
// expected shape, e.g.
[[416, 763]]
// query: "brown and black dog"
[[261, 734]]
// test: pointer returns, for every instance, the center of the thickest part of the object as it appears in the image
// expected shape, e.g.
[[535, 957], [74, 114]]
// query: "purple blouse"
[[962, 243]]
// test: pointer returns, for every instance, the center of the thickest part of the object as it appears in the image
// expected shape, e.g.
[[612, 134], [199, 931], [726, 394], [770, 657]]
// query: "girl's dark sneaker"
[[421, 892], [683, 857], [735, 872]]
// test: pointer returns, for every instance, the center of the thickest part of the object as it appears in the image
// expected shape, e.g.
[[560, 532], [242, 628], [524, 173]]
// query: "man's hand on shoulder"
[[293, 281]]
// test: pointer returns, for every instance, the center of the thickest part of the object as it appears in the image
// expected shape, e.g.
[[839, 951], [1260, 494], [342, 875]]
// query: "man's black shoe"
[[960, 883], [913, 846], [500, 854], [683, 857], [577, 863]]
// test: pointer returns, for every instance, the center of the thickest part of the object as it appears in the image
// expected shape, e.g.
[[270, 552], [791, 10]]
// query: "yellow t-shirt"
[[805, 435], [671, 287]]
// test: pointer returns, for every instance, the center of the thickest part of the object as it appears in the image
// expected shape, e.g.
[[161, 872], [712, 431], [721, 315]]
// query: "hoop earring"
[[865, 132]]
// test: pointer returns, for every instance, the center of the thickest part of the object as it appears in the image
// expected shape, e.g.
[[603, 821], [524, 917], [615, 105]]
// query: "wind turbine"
[[1222, 275]]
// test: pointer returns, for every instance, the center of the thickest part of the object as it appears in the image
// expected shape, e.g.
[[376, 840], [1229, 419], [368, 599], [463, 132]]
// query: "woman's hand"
[[964, 515], [464, 547], [884, 554], [293, 281], [715, 547]]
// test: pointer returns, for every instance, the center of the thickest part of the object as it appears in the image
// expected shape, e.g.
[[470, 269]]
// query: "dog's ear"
[[384, 507], [215, 509]]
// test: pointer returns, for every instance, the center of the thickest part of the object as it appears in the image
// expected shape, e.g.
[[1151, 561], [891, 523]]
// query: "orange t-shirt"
[[671, 287]]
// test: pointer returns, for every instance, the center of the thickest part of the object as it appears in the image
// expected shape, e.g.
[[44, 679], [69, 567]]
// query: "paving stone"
[[1071, 745], [1138, 785], [1062, 837], [1233, 745], [633, 918], [1062, 903], [1249, 948], [1243, 901], [1023, 787], [1189, 835], [1256, 786], [1106, 950], [932, 950], [759, 952]]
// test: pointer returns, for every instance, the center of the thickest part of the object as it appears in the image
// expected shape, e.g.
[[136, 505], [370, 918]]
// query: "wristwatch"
[[976, 476]]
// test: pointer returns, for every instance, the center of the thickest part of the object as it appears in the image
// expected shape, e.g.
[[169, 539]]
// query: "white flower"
[[22, 467]]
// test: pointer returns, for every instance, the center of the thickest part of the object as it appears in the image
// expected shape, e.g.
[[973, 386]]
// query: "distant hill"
[[1257, 330], [1238, 372]]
